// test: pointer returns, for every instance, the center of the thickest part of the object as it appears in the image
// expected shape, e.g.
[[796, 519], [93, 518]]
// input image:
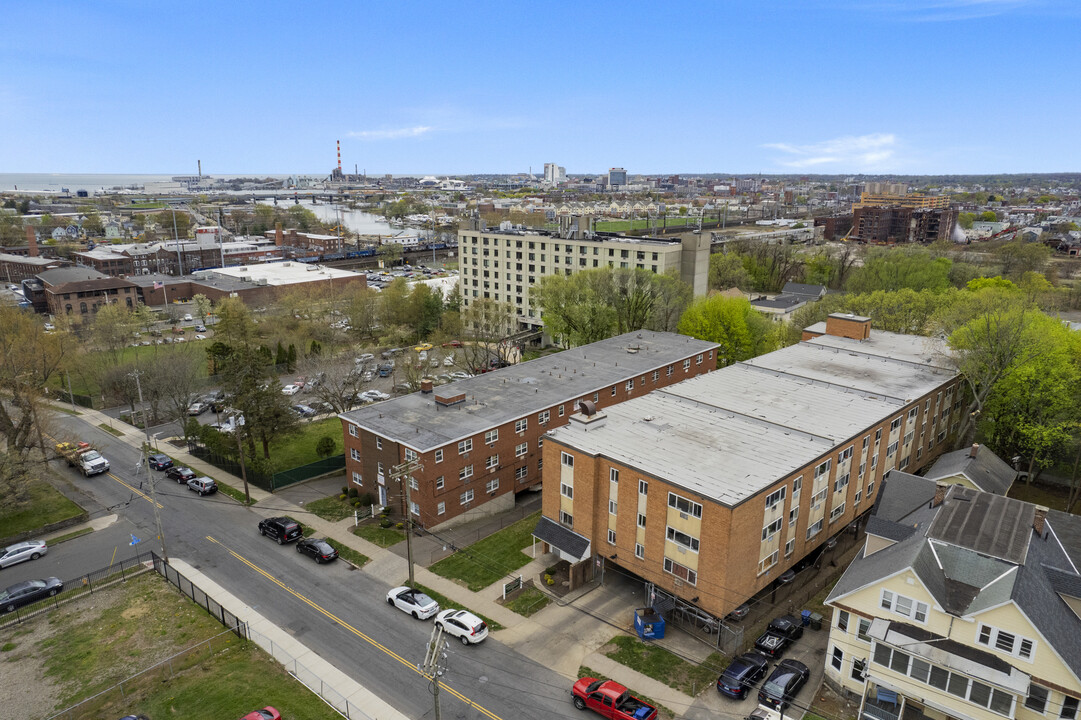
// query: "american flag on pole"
[[159, 285]]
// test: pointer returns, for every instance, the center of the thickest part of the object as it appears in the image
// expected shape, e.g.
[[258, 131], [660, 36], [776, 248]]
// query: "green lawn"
[[347, 553], [44, 505], [529, 601], [84, 383], [143, 621], [1047, 495], [110, 429], [489, 560], [381, 536], [445, 603], [299, 449], [659, 664], [331, 508]]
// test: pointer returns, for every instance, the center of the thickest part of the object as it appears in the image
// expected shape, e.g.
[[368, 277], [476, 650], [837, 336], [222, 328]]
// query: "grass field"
[[91, 645], [383, 537], [659, 664], [299, 449], [489, 560], [348, 553], [331, 508], [84, 383], [529, 601], [45, 505]]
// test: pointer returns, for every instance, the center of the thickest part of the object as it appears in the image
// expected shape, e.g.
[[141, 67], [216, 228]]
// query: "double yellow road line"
[[363, 636]]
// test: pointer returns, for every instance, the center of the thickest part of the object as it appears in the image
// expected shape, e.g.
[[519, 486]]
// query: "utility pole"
[[146, 462], [240, 450], [176, 239], [433, 658], [402, 473]]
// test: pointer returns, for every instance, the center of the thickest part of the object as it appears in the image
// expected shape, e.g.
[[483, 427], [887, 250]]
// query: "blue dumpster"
[[648, 624], [806, 615]]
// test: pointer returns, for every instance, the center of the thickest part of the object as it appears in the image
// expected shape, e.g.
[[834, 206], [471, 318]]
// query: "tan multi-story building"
[[710, 489], [505, 264], [962, 605], [914, 201], [479, 440]]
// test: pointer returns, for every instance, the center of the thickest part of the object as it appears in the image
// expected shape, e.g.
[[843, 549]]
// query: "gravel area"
[[23, 668]]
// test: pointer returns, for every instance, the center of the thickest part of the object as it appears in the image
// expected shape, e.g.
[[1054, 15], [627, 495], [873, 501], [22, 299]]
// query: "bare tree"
[[341, 379]]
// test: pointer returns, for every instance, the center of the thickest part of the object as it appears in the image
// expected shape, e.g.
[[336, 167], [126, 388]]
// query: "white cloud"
[[950, 10], [849, 153], [392, 134]]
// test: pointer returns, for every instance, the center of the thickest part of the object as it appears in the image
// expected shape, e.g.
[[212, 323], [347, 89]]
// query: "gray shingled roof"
[[986, 471], [1067, 529], [905, 494], [808, 292], [889, 529], [565, 539]]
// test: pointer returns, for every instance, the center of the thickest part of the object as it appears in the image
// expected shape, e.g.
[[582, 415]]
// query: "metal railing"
[[212, 606], [86, 584]]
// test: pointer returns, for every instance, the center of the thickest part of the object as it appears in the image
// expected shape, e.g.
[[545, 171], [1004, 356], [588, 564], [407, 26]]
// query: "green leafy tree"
[[251, 389], [326, 446], [235, 325], [741, 331], [726, 271], [965, 220], [896, 268], [988, 216], [1019, 257], [390, 254]]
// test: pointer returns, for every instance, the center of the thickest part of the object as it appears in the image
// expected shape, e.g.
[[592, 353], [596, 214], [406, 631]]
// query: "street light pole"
[[149, 477], [176, 239]]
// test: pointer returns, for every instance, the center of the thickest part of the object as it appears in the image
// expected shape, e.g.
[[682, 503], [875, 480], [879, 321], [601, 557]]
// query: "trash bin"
[[806, 616], [648, 623], [816, 621]]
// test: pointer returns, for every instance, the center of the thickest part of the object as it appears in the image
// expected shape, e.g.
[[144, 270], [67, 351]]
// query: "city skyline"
[[927, 87]]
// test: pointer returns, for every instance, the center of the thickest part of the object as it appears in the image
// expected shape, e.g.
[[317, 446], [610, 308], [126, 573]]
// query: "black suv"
[[281, 529], [779, 635]]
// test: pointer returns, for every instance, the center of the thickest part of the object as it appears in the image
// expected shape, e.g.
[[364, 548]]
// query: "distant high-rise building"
[[554, 174], [885, 188], [617, 177]]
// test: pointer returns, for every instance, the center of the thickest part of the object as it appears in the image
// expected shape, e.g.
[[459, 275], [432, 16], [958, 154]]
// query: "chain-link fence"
[[82, 585], [307, 472], [160, 672], [212, 606]]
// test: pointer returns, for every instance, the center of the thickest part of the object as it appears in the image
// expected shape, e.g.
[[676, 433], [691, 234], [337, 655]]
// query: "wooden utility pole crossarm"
[[402, 473]]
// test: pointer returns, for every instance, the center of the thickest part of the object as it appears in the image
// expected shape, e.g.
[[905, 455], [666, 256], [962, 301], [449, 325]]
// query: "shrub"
[[345, 489], [385, 522], [399, 526], [352, 492], [548, 579], [356, 503], [366, 499], [325, 447], [342, 496]]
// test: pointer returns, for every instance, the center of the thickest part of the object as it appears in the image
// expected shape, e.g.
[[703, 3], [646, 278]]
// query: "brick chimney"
[[940, 493], [278, 234], [31, 241], [973, 450], [1039, 519], [849, 326]]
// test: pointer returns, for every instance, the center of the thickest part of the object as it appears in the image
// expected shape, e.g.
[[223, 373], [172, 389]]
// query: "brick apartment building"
[[713, 487], [81, 291], [896, 224], [479, 440], [303, 244], [16, 268]]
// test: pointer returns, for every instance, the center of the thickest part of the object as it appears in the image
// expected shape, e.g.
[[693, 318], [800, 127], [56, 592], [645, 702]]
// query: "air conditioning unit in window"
[[684, 516]]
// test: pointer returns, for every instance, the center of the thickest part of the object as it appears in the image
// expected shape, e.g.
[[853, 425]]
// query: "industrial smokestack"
[[31, 241], [200, 169]]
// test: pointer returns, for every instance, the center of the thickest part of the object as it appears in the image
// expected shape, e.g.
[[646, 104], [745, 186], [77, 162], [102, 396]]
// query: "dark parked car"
[[783, 684], [180, 473], [281, 529], [742, 674], [787, 576], [321, 550], [160, 462], [303, 410], [739, 613], [28, 591], [203, 486], [779, 635]]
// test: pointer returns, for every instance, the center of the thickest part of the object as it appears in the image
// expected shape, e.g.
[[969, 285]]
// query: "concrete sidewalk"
[[296, 656]]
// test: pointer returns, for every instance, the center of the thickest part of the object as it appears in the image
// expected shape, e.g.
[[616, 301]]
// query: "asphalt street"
[[340, 613]]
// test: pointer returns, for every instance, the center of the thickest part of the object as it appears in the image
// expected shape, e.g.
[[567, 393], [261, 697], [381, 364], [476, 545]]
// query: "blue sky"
[[850, 86]]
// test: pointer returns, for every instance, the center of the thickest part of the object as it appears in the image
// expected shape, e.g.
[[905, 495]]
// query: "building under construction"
[[896, 224]]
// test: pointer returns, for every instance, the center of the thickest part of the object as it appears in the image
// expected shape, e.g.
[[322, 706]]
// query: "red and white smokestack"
[[339, 157]]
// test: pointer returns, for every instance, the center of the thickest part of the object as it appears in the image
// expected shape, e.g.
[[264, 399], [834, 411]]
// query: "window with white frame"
[[544, 416], [540, 442], [822, 469], [565, 518], [414, 508], [413, 484], [439, 483], [668, 373], [837, 658], [771, 529], [837, 512], [656, 375], [685, 506], [641, 520], [1006, 642], [863, 468], [613, 391], [687, 364], [643, 487], [357, 478], [814, 529], [793, 515], [912, 413], [683, 539], [520, 473], [521, 449], [379, 443], [908, 437], [878, 435], [841, 483], [613, 475], [1069, 708], [566, 490], [870, 488], [698, 359], [859, 497], [439, 455], [492, 462], [567, 459], [560, 411], [379, 468], [859, 670], [895, 424], [611, 507], [491, 436], [440, 508], [353, 430], [891, 449], [465, 446], [681, 571], [874, 461], [521, 425], [466, 497], [767, 562], [354, 454], [611, 537], [842, 621], [845, 454], [491, 486], [961, 686], [797, 485], [818, 498], [863, 630], [904, 606], [410, 455], [1037, 698], [630, 385], [466, 472], [789, 547], [639, 551], [775, 497]]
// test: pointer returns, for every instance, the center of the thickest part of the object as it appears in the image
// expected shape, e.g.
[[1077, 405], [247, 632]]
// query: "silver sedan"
[[19, 552]]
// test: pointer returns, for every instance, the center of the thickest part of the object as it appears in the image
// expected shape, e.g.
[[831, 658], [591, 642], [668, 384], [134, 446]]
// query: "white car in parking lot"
[[22, 551], [463, 625], [412, 601], [291, 389]]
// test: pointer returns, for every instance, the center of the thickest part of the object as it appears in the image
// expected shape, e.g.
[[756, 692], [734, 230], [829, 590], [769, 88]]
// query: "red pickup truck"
[[611, 700]]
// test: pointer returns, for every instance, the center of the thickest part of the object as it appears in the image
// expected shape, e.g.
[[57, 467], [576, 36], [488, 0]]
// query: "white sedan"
[[290, 389], [22, 551], [463, 625], [413, 601]]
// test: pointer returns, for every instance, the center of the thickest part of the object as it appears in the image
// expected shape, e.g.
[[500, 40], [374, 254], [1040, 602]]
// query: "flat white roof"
[[282, 273]]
